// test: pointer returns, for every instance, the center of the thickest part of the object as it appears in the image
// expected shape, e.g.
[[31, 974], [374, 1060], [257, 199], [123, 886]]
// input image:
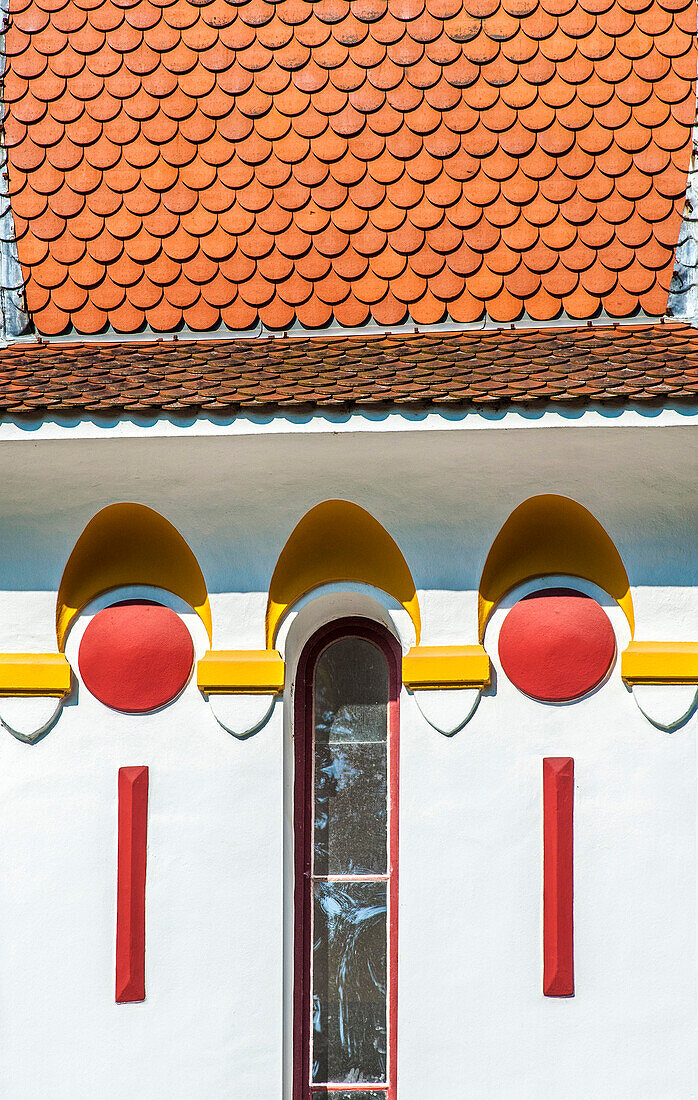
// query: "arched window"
[[346, 837]]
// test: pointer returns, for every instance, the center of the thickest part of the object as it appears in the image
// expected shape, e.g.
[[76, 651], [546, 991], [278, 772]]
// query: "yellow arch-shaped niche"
[[129, 544], [552, 534], [338, 541]]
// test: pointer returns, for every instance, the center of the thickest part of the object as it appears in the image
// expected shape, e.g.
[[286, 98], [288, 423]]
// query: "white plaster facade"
[[472, 1018]]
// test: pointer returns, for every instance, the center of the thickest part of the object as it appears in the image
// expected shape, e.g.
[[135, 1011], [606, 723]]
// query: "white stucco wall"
[[472, 1018]]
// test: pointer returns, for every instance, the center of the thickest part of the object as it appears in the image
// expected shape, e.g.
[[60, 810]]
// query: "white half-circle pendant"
[[447, 709], [666, 706], [242, 714], [29, 717]]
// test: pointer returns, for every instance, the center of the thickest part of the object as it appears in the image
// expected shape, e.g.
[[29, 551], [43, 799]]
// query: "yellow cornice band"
[[660, 663], [454, 666], [34, 674], [240, 672]]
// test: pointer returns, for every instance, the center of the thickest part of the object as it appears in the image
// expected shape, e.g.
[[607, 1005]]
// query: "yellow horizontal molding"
[[448, 666], [241, 672], [660, 663], [34, 674]]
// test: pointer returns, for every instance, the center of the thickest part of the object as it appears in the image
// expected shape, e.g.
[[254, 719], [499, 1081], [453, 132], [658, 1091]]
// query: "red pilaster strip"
[[130, 901], [558, 872]]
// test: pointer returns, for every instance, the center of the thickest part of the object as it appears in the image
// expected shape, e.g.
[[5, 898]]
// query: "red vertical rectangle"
[[558, 876], [130, 899]]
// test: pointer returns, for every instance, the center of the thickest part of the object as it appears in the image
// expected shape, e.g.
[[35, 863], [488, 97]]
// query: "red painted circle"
[[556, 645], [136, 656]]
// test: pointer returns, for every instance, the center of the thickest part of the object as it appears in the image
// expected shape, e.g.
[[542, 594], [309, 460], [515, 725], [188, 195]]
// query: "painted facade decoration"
[[167, 852], [136, 656], [348, 550], [130, 906], [556, 645], [558, 877]]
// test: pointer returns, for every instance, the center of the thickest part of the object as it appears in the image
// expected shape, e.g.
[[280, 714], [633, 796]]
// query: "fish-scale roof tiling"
[[174, 162]]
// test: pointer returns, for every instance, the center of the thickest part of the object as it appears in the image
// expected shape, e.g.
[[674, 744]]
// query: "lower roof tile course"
[[618, 364]]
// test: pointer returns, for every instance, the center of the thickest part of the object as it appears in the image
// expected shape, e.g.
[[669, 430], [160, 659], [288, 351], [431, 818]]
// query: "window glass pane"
[[351, 802], [349, 982], [351, 692], [351, 760], [348, 1094]]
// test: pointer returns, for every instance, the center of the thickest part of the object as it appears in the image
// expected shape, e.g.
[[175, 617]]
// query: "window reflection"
[[350, 865], [349, 994]]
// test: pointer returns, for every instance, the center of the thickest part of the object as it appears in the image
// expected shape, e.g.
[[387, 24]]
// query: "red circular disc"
[[136, 656], [556, 645]]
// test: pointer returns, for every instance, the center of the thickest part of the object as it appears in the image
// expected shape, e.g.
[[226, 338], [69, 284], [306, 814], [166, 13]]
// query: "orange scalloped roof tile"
[[192, 162]]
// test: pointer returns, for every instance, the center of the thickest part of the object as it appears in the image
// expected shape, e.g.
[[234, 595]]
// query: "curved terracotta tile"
[[332, 289], [466, 308], [505, 308], [521, 235], [502, 259], [163, 317], [389, 311], [52, 321], [351, 313], [145, 294], [89, 222], [428, 310], [523, 283], [350, 264], [519, 188], [425, 215]]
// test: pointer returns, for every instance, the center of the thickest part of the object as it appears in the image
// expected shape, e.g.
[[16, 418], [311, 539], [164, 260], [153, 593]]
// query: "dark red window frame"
[[303, 828]]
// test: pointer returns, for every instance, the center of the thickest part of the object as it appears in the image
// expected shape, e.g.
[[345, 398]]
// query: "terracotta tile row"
[[173, 163], [619, 364]]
